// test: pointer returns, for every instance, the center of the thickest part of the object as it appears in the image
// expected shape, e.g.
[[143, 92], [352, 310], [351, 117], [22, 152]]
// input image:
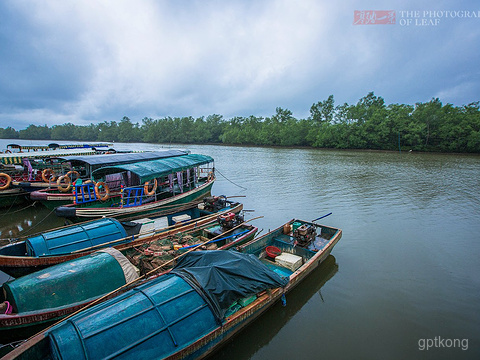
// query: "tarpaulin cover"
[[226, 276]]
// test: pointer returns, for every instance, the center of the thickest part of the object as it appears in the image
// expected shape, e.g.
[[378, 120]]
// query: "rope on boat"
[[26, 207], [41, 221], [13, 345], [217, 171]]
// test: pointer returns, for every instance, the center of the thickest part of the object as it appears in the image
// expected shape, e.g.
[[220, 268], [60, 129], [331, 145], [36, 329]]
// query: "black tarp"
[[225, 276]]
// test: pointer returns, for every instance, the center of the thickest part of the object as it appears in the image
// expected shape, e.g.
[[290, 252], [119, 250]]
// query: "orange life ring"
[[97, 190], [66, 186], [51, 174], [77, 175], [210, 176], [5, 179], [147, 184]]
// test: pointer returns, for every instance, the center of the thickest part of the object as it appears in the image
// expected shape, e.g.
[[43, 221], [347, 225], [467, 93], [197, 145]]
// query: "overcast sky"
[[90, 61]]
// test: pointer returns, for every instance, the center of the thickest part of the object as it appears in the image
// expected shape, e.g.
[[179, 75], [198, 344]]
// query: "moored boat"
[[57, 188], [181, 314], [66, 243], [142, 187], [21, 171], [34, 301]]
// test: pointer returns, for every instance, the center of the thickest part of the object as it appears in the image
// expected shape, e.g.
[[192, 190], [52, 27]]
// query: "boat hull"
[[17, 266], [20, 326], [206, 344], [12, 197], [79, 213]]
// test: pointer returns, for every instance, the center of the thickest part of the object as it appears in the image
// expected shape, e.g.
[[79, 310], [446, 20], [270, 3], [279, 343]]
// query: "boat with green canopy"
[[58, 190], [142, 187]]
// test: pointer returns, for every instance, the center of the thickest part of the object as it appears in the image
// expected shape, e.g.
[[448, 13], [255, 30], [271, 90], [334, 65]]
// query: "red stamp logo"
[[374, 17]]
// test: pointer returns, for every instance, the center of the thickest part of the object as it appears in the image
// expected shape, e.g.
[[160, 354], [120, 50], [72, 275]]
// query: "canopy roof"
[[16, 158], [149, 170], [123, 158]]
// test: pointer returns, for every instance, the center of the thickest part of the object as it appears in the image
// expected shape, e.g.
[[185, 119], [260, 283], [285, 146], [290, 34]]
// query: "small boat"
[[17, 148], [141, 188], [19, 169], [54, 186], [190, 312], [45, 249], [34, 301]]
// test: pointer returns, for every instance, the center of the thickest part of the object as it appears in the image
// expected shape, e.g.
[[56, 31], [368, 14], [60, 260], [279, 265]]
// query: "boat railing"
[[84, 193], [132, 196]]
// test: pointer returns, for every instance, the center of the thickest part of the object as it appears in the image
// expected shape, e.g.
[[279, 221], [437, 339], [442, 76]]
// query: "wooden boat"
[[24, 168], [66, 243], [17, 148], [57, 188], [142, 187], [180, 315], [38, 299], [13, 170]]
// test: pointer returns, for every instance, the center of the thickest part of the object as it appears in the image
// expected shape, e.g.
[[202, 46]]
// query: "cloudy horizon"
[[94, 61]]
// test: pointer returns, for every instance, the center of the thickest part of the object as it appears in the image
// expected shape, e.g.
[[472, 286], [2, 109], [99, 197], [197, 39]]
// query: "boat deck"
[[318, 244]]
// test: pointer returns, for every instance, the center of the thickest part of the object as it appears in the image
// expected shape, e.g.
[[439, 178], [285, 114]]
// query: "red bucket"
[[273, 251]]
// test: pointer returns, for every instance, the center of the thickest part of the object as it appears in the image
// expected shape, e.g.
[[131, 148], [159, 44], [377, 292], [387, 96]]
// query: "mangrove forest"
[[369, 124]]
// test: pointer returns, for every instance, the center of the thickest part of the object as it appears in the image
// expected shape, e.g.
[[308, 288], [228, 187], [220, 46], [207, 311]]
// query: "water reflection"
[[259, 333]]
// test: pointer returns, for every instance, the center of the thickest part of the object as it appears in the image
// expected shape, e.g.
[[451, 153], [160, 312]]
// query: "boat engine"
[[304, 235], [229, 220], [214, 203]]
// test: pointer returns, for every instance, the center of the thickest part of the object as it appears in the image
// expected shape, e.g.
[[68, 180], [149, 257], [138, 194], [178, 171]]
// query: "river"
[[405, 276]]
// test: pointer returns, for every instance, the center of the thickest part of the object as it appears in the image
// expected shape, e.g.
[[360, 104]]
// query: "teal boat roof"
[[121, 158], [149, 170]]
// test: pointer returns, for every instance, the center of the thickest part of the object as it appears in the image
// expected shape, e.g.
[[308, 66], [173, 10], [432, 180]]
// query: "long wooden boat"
[[145, 187], [180, 315], [41, 298], [70, 242], [23, 169], [13, 169], [54, 190], [18, 148]]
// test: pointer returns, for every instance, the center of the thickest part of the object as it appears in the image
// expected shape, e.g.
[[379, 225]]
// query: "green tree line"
[[369, 124]]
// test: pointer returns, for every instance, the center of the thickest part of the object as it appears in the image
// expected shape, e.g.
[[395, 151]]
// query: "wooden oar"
[[95, 302]]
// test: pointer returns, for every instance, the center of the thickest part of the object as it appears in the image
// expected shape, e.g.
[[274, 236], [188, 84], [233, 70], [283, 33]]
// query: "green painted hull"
[[108, 209]]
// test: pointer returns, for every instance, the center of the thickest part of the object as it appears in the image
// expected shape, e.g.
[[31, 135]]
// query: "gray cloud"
[[94, 61]]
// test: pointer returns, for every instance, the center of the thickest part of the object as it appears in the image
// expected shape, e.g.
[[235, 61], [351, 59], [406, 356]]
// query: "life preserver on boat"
[[5, 179], [105, 187], [73, 172], [48, 174], [210, 176], [147, 185], [66, 186]]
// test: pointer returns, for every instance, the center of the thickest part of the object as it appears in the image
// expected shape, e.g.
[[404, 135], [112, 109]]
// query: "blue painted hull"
[[203, 340]]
